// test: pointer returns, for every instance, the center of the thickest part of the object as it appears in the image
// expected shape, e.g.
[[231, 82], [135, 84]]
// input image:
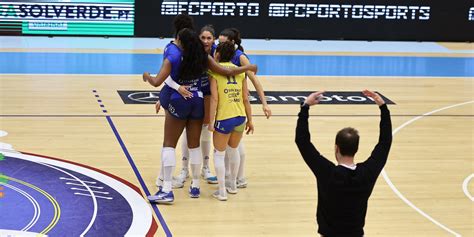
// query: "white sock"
[[205, 144], [220, 170], [234, 161], [167, 184], [168, 157], [195, 157], [159, 179], [227, 163], [184, 151], [240, 175]]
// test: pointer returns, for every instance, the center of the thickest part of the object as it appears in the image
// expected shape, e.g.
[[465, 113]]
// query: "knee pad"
[[205, 134], [168, 156], [195, 156]]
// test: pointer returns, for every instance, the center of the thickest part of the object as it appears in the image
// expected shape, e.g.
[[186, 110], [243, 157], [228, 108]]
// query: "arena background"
[[413, 20]]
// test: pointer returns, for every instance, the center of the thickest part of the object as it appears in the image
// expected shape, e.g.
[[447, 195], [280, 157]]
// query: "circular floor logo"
[[49, 196]]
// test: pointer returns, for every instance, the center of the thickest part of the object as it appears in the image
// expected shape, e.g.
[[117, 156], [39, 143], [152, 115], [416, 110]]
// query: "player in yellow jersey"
[[240, 58], [228, 111]]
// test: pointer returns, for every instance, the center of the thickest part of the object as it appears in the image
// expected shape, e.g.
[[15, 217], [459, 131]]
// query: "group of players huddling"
[[205, 91]]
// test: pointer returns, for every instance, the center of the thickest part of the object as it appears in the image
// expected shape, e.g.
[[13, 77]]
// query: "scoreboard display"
[[414, 20], [67, 17]]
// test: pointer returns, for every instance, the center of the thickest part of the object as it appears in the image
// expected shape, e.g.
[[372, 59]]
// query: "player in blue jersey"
[[240, 58], [207, 36], [186, 61]]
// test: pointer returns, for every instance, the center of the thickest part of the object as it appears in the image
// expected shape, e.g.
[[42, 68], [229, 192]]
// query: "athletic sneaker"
[[194, 192], [160, 188], [159, 182], [161, 197], [207, 175], [178, 181], [242, 183], [231, 188], [219, 197], [183, 174]]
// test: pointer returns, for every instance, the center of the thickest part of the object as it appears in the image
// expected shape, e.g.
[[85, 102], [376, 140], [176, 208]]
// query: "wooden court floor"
[[421, 193]]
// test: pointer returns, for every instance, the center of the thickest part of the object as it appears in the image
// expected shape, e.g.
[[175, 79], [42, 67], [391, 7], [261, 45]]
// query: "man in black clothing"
[[344, 189]]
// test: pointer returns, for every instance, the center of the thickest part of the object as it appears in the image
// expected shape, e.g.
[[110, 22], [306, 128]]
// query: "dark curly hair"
[[194, 58], [182, 21], [226, 51]]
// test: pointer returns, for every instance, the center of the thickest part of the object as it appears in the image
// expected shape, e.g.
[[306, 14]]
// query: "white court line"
[[33, 201], [94, 200], [97, 196], [85, 190], [465, 187], [87, 182], [399, 194], [84, 185]]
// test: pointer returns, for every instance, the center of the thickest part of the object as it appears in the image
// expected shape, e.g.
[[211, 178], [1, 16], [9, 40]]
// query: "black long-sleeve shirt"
[[343, 193]]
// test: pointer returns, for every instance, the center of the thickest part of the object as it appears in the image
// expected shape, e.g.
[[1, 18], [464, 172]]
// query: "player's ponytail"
[[233, 34], [237, 39], [194, 58]]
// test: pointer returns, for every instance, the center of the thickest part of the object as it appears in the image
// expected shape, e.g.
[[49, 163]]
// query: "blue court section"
[[290, 65], [74, 211]]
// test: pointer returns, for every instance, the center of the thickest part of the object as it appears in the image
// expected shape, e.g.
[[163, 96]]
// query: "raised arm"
[[215, 67], [379, 155], [315, 161], [165, 71], [258, 87]]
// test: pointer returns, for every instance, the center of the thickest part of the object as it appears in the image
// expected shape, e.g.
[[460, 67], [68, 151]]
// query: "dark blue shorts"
[[227, 126], [205, 86], [191, 108], [165, 95]]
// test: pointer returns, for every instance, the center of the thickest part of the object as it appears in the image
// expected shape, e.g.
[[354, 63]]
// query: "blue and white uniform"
[[171, 100], [236, 59]]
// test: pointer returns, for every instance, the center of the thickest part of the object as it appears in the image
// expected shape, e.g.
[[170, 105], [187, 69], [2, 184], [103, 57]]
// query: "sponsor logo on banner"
[[47, 25], [349, 11], [273, 97], [297, 10], [67, 12]]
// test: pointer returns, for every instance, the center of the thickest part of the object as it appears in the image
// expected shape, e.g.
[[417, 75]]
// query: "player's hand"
[[377, 98], [314, 98], [184, 91], [210, 127], [249, 127], [157, 106], [146, 76], [267, 111]]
